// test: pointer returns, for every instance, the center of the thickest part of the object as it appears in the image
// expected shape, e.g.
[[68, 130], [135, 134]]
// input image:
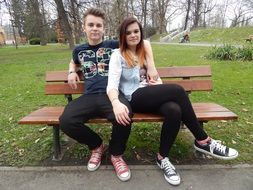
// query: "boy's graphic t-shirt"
[[94, 62]]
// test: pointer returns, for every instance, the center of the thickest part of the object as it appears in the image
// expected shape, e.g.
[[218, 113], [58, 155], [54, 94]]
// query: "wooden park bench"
[[192, 78], [249, 39]]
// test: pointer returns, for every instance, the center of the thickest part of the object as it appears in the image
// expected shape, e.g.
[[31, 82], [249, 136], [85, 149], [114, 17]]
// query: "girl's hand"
[[121, 113], [155, 82]]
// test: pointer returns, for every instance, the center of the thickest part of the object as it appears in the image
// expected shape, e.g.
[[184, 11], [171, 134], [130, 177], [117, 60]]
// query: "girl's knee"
[[171, 108]]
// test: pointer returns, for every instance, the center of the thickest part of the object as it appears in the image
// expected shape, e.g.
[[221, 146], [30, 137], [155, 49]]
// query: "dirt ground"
[[137, 157]]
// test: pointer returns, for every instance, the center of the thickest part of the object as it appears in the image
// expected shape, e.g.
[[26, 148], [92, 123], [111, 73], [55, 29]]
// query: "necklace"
[[135, 59]]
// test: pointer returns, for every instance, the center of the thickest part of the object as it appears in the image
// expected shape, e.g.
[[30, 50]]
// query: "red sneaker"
[[95, 159], [121, 168]]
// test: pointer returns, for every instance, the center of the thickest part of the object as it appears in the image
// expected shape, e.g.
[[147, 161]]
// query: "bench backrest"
[[192, 78]]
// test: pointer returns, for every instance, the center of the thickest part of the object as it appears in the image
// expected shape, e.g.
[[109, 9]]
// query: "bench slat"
[[185, 71], [204, 112], [164, 72], [189, 85]]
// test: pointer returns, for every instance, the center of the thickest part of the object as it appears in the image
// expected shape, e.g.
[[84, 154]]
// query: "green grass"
[[234, 36], [22, 91]]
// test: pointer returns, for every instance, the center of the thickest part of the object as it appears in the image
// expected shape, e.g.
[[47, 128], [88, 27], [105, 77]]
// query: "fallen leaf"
[[138, 157], [234, 142], [21, 152], [37, 140], [245, 110], [42, 129]]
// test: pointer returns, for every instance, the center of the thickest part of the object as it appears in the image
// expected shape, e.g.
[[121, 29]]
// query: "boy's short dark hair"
[[95, 12]]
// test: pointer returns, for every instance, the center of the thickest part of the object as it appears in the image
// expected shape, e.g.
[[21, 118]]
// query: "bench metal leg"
[[56, 143], [201, 124]]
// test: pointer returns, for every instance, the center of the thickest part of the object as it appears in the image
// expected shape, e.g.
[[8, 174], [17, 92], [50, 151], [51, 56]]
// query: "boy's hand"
[[73, 78]]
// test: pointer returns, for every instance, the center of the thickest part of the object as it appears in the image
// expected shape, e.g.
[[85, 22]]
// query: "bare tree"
[[208, 6], [197, 5], [242, 14], [15, 10], [76, 20], [162, 6], [38, 17], [64, 22], [187, 16]]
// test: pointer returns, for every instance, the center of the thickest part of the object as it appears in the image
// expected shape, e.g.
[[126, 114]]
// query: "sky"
[[5, 18]]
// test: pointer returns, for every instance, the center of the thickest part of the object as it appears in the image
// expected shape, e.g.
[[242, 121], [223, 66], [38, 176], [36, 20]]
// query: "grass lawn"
[[235, 35], [22, 91]]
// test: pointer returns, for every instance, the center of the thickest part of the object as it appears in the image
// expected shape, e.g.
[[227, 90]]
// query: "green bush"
[[245, 53], [35, 41], [229, 52]]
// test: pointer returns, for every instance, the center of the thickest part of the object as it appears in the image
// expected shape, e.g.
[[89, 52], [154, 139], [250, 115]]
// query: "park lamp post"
[[14, 33]]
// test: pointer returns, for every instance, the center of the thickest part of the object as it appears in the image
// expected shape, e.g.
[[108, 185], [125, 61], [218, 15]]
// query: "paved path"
[[207, 177]]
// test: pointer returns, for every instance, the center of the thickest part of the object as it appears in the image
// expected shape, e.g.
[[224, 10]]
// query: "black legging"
[[173, 103]]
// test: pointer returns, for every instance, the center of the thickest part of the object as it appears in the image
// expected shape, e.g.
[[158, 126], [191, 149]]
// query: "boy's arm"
[[73, 77]]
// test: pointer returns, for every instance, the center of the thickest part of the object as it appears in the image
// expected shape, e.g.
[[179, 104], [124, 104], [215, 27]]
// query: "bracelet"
[[71, 72], [114, 99]]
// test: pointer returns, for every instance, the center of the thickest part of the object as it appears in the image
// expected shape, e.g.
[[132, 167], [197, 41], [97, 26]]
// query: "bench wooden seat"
[[194, 78], [204, 112]]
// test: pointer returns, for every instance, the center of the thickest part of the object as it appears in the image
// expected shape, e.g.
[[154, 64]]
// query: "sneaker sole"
[[175, 183], [216, 156], [93, 169], [125, 178]]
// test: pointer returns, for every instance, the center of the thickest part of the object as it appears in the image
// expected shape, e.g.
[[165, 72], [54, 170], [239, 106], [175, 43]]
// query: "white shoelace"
[[168, 167], [96, 156], [215, 145], [120, 165]]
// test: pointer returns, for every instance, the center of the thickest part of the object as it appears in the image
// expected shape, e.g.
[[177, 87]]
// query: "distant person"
[[127, 75], [186, 38]]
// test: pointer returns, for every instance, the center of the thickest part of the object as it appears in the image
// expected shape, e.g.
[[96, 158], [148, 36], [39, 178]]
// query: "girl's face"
[[133, 35]]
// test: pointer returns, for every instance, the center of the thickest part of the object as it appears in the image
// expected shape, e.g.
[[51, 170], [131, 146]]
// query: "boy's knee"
[[64, 122]]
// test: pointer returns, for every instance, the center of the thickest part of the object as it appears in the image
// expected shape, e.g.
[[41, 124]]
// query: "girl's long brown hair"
[[140, 50]]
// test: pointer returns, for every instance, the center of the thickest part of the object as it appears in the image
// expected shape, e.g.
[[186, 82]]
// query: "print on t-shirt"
[[94, 63]]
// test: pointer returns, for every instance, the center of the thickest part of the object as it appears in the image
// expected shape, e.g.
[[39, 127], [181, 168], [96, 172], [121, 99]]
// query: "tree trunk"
[[162, 6], [39, 21], [197, 13], [76, 20], [187, 14], [63, 18], [144, 15]]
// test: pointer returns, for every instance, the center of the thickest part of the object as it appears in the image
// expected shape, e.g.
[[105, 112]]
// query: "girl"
[[150, 95]]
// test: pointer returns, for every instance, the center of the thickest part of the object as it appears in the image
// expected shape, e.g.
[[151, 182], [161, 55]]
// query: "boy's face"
[[94, 29]]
